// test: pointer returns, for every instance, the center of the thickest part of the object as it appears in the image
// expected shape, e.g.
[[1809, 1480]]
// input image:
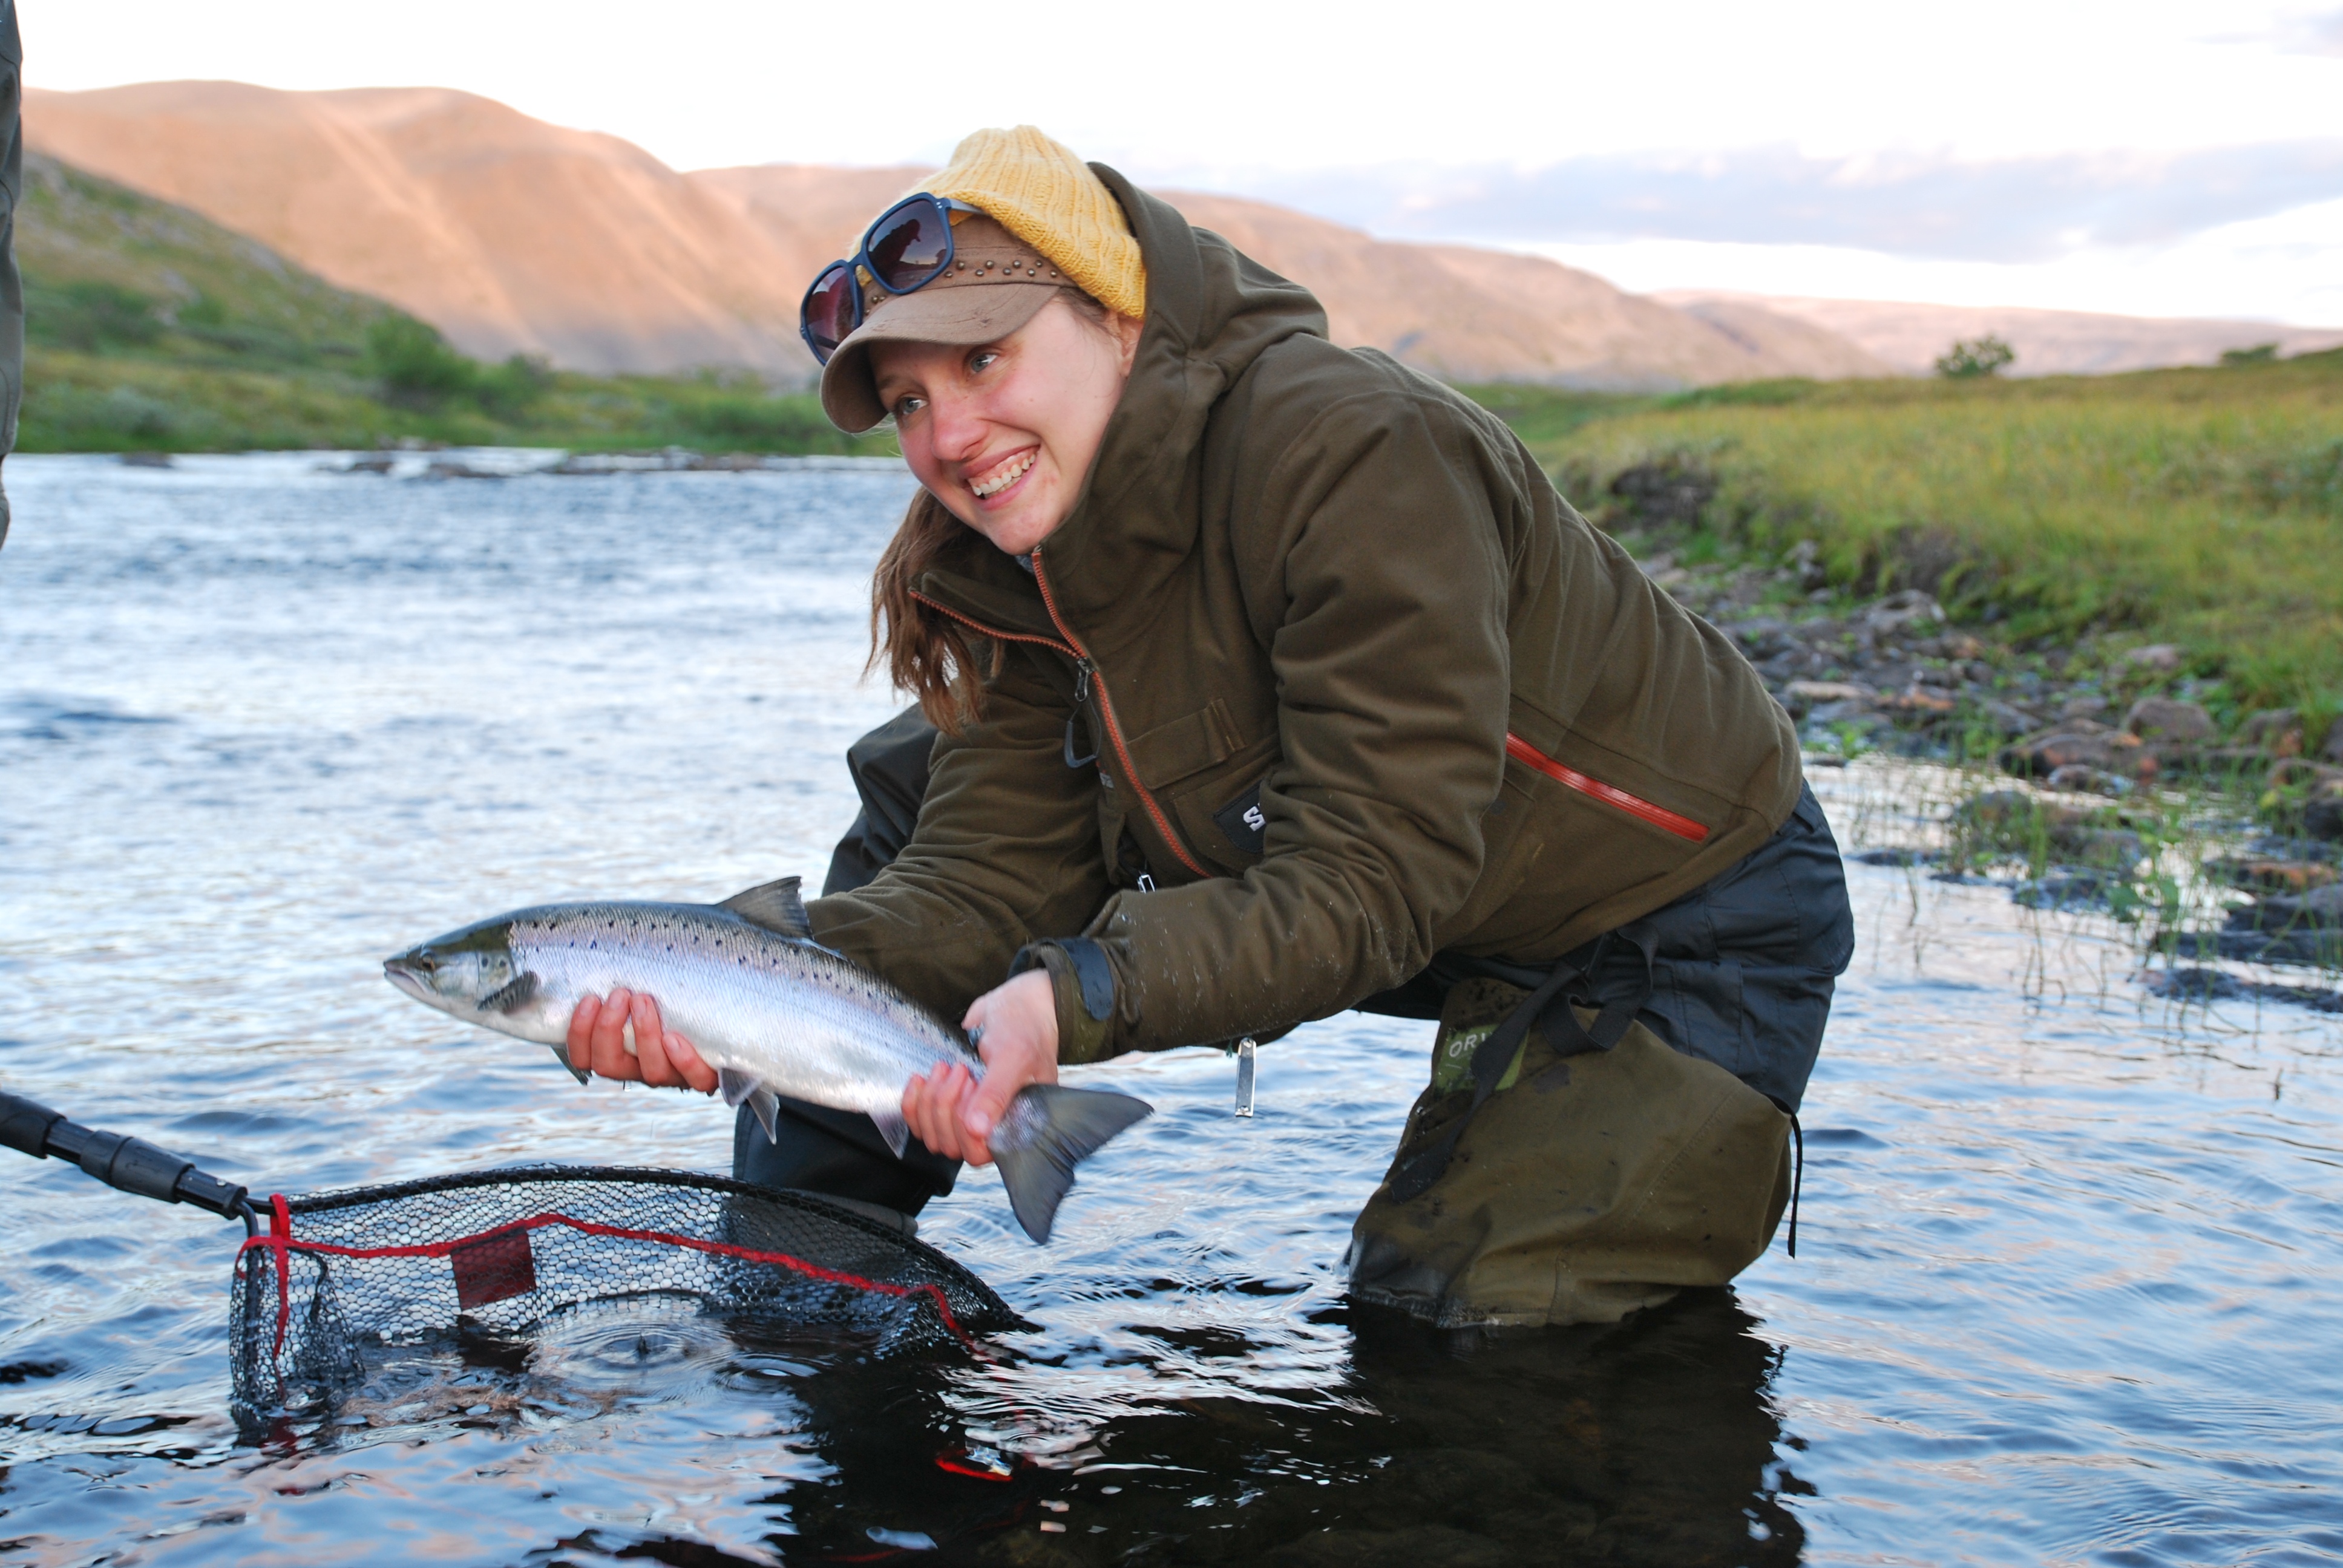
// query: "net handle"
[[124, 1163]]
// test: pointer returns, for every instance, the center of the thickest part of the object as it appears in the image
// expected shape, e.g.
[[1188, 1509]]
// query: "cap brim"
[[967, 315]]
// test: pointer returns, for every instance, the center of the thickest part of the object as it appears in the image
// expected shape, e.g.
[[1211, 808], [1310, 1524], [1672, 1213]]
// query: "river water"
[[2070, 1284]]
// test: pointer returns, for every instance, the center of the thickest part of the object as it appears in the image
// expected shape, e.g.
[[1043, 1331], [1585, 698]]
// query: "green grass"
[[2200, 507], [76, 402], [151, 328]]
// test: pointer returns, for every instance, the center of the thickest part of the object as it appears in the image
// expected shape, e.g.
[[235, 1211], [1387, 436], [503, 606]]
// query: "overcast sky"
[[2161, 158]]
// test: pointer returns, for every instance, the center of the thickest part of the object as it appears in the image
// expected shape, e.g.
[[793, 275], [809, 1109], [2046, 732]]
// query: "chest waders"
[[1551, 1008]]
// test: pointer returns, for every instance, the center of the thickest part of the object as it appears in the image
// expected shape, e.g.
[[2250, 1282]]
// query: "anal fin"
[[893, 1128], [561, 1055]]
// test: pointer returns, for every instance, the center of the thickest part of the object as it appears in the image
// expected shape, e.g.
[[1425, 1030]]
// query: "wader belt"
[[1548, 1009]]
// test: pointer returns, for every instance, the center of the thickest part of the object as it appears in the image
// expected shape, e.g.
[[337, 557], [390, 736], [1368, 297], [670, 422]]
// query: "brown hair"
[[942, 661], [939, 659]]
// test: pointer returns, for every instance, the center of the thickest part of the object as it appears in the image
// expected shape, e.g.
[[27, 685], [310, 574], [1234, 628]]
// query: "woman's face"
[[1003, 434]]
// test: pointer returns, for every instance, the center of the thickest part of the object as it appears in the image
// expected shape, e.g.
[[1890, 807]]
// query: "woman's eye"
[[906, 407], [980, 360]]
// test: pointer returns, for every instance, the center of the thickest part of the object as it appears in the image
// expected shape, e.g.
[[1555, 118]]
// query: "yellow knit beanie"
[[1046, 197]]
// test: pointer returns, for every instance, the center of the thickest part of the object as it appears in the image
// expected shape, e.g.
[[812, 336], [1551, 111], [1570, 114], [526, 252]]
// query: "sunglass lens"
[[829, 310], [909, 244]]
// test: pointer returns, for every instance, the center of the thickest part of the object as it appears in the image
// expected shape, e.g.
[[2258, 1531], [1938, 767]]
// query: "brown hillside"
[[1910, 337], [515, 236], [509, 233]]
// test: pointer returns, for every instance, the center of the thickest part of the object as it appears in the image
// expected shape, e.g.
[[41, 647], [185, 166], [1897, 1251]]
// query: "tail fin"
[[1038, 1152]]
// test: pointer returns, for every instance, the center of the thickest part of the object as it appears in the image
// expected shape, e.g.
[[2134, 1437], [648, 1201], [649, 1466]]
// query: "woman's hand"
[[661, 1058], [1016, 1029]]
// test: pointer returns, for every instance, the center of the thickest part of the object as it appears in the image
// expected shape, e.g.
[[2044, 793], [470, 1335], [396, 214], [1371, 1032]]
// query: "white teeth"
[[1004, 479]]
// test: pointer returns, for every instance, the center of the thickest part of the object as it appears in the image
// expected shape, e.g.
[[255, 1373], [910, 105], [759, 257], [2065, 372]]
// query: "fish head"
[[470, 973]]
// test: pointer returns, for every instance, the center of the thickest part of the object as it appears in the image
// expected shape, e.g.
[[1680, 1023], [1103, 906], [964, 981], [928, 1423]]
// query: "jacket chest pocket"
[[1220, 812], [1172, 753], [1201, 770]]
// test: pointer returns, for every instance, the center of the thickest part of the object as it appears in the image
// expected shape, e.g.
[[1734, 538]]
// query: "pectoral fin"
[[776, 906], [893, 1128]]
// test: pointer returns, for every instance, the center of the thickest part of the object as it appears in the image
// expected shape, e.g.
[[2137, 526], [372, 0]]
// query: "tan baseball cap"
[[995, 284]]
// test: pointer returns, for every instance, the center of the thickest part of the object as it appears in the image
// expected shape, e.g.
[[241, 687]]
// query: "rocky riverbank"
[[2110, 756]]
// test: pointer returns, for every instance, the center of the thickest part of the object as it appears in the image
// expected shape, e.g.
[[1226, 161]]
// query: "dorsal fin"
[[775, 906]]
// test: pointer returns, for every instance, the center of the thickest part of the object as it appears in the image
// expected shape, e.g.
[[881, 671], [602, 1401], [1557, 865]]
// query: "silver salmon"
[[771, 1011]]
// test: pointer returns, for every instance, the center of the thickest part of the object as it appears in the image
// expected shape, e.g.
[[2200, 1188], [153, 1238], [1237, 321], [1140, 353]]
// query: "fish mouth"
[[401, 973]]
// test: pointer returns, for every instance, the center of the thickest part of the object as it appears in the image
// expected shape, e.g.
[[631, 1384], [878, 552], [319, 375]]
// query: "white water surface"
[[2067, 1289]]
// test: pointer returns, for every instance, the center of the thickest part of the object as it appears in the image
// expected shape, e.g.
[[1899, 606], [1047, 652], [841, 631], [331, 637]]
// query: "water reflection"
[[1654, 1440]]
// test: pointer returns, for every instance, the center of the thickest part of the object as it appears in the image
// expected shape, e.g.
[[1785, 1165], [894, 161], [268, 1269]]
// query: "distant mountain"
[[1910, 337], [509, 234], [514, 235], [109, 270]]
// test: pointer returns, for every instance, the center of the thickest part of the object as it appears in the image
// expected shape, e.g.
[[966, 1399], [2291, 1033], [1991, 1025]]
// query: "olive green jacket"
[[1306, 585]]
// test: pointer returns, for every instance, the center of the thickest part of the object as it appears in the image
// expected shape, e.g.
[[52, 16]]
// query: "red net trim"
[[281, 1241]]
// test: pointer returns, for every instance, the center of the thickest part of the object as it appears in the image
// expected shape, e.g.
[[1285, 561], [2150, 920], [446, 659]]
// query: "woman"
[[1269, 678]]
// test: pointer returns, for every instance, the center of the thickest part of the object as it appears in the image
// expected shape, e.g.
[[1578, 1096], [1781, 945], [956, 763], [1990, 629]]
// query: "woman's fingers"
[[932, 1107], [611, 1057], [622, 1036], [581, 1033], [697, 1073], [650, 1045]]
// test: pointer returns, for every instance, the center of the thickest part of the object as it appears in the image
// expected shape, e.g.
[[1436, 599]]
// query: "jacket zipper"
[[1113, 730], [1086, 669], [1523, 751]]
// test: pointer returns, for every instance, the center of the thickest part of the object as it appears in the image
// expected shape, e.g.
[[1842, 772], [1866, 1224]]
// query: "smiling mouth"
[[1001, 477]]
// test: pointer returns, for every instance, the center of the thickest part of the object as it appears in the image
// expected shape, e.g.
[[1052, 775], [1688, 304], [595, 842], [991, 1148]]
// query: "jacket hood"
[[1212, 311]]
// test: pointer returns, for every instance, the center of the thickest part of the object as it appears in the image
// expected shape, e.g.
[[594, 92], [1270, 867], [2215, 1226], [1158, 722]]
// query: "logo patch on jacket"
[[1244, 822]]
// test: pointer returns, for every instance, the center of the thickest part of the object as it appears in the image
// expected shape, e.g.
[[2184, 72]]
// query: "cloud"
[[2320, 34], [2011, 210]]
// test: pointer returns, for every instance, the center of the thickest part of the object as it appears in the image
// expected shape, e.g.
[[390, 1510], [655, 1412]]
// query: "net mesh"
[[336, 1280]]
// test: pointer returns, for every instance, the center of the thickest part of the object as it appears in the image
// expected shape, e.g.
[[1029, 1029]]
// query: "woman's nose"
[[960, 431]]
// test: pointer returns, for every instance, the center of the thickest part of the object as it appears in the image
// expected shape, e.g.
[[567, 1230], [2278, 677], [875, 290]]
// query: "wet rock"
[[2163, 719], [2076, 779], [2260, 874], [2080, 744], [2087, 704], [2162, 657], [2007, 719], [2277, 730], [1899, 857], [1799, 696], [147, 460], [2323, 817], [1663, 494], [1764, 636], [2014, 822], [2322, 907], [2229, 763], [2289, 772], [2116, 848], [1899, 611], [449, 468], [2190, 983], [1918, 702], [2069, 888], [2332, 750]]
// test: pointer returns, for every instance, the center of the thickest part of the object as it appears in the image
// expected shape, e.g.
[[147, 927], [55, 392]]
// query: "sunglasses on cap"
[[907, 248]]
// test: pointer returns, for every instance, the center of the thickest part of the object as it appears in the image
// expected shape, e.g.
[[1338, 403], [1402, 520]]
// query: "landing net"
[[336, 1280]]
